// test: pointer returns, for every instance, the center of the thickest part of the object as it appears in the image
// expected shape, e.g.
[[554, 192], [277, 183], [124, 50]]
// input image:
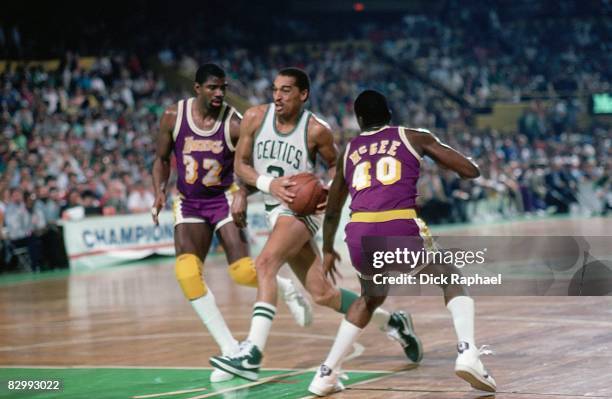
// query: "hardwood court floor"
[[81, 327]]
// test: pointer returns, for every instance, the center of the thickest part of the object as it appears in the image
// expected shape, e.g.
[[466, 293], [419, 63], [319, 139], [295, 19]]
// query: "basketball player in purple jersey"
[[202, 131], [261, 161], [379, 170]]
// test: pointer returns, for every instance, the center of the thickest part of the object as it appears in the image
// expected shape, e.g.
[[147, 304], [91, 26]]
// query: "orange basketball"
[[309, 193]]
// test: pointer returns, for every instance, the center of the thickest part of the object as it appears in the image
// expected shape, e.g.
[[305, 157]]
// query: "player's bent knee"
[[243, 272], [188, 270], [266, 264]]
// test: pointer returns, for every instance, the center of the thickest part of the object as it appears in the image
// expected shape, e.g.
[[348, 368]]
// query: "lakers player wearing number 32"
[[202, 132], [279, 140]]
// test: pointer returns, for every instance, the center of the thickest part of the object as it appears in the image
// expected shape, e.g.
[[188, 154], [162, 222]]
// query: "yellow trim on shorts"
[[175, 208], [233, 188], [384, 216]]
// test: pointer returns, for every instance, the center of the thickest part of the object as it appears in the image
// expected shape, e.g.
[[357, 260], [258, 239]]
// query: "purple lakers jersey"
[[381, 170], [204, 158]]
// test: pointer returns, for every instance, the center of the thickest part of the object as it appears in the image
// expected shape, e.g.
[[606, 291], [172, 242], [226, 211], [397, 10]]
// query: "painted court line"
[[106, 366], [480, 394], [142, 367], [387, 375], [251, 384], [157, 395]]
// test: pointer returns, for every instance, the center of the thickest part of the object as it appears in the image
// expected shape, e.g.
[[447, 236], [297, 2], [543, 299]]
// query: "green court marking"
[[13, 278], [115, 383]]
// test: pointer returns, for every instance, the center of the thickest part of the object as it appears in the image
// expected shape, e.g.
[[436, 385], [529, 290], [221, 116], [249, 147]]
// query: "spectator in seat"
[[140, 199]]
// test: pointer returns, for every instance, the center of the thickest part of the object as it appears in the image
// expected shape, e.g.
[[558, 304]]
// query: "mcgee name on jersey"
[[382, 148]]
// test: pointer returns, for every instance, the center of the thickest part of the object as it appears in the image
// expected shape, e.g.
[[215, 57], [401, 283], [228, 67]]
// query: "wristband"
[[263, 183]]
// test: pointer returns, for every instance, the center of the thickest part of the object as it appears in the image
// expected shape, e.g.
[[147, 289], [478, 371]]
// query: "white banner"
[[101, 241]]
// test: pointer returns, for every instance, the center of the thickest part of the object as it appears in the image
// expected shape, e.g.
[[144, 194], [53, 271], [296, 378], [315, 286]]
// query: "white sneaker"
[[220, 376], [300, 308], [469, 367], [326, 382]]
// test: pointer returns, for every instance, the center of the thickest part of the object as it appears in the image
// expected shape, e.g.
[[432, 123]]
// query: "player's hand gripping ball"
[[309, 192]]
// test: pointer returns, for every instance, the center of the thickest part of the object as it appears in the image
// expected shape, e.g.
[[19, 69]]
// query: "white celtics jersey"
[[281, 154]]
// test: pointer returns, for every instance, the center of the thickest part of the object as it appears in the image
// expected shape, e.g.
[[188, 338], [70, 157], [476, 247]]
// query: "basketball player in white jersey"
[[278, 140]]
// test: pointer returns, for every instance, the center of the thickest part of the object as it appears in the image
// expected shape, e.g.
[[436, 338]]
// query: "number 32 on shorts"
[[388, 171]]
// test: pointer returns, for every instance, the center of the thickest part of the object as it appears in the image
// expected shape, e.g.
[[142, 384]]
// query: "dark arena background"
[[88, 295]]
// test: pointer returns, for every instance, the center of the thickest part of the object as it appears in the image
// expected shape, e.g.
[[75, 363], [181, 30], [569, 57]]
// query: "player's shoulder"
[[317, 125], [234, 115], [418, 136], [170, 116], [171, 110], [416, 139], [257, 112], [234, 111], [254, 116], [416, 130], [351, 142]]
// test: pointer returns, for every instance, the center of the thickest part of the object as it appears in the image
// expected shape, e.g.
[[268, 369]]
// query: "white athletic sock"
[[381, 318], [263, 314], [462, 310], [346, 337], [283, 284], [209, 313]]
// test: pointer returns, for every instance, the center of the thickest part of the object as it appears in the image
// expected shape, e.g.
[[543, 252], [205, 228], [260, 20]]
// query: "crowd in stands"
[[80, 142], [75, 143]]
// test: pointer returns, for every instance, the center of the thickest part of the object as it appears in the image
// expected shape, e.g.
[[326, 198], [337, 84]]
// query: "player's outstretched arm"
[[338, 192], [444, 155], [161, 165]]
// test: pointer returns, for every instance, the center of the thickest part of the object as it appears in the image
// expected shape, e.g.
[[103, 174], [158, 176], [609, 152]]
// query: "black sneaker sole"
[[415, 338], [415, 341]]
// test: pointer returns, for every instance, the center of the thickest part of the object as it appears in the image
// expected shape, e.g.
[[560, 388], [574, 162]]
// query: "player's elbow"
[[331, 217], [471, 173], [469, 170], [161, 162], [239, 168]]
